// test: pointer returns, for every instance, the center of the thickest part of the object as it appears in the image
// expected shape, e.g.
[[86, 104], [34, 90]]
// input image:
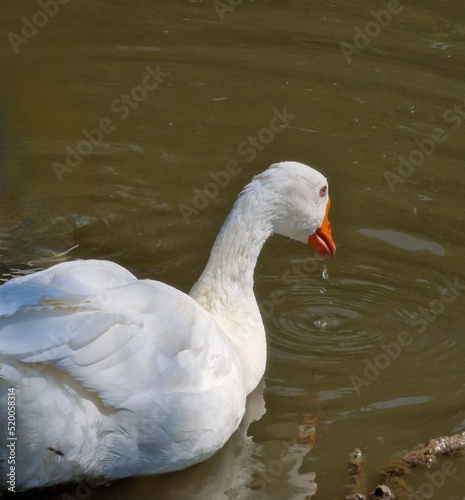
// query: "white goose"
[[114, 376]]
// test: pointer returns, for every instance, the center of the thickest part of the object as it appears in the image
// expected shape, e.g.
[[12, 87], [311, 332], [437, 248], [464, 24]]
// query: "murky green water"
[[175, 94]]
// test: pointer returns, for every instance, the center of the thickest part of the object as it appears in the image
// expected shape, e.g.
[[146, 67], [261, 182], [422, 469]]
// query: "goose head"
[[297, 197]]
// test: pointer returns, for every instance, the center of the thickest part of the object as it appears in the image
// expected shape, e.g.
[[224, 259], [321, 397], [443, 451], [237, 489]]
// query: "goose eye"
[[323, 191]]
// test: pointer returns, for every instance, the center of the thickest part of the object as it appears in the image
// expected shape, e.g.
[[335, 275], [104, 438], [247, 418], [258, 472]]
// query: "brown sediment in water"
[[357, 480], [393, 475], [422, 455]]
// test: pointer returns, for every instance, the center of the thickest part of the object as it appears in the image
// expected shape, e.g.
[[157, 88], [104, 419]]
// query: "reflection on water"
[[404, 241], [241, 469], [400, 239]]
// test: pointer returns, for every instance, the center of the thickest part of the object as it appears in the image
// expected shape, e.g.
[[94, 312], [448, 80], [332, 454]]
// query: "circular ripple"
[[360, 310]]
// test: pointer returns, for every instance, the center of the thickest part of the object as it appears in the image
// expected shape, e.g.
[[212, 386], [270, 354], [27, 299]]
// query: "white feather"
[[115, 376]]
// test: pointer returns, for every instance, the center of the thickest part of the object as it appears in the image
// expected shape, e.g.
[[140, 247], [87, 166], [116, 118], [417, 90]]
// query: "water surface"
[[370, 357]]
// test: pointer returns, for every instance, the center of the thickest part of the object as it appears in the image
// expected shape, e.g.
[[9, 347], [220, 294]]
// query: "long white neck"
[[225, 288]]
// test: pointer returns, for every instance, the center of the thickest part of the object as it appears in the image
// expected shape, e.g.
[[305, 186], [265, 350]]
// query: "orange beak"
[[322, 241]]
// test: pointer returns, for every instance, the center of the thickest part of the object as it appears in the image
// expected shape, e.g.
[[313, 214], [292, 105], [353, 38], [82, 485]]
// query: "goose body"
[[114, 376]]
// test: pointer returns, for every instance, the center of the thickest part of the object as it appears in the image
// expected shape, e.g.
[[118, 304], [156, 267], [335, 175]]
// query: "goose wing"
[[120, 337]]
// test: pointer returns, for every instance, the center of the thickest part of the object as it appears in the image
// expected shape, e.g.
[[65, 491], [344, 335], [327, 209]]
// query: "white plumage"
[[116, 376]]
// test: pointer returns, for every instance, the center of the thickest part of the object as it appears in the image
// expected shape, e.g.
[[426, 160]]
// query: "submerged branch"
[[357, 482], [425, 455], [393, 474]]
